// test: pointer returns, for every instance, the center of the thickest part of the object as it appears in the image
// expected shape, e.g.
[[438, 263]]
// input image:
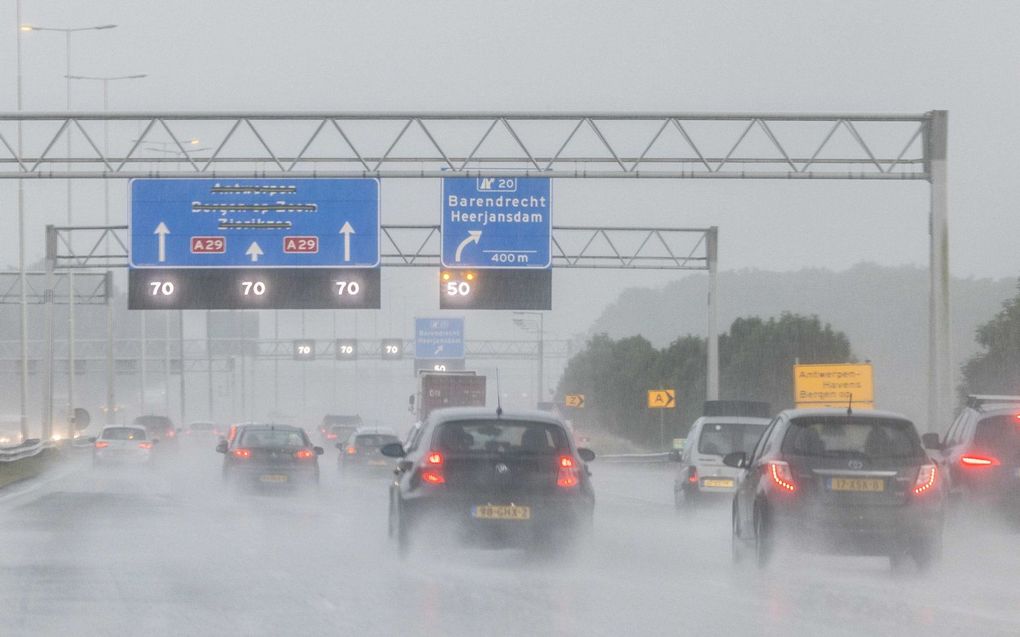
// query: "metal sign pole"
[[712, 254]]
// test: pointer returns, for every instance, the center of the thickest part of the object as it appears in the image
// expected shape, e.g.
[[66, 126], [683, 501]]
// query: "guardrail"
[[639, 458], [27, 449]]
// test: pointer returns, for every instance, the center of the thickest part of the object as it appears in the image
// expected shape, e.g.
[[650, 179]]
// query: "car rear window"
[[722, 438], [123, 433], [153, 422], [271, 438], [842, 437], [201, 426], [502, 436], [373, 441], [998, 433]]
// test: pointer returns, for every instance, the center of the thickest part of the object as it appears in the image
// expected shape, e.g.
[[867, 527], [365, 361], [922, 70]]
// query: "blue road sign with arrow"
[[260, 223], [438, 338], [497, 222]]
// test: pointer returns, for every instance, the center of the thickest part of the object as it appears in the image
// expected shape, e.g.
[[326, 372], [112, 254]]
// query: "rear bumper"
[[875, 530], [272, 477], [126, 457]]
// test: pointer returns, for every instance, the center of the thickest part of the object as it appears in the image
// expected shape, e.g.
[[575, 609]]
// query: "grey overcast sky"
[[796, 56]]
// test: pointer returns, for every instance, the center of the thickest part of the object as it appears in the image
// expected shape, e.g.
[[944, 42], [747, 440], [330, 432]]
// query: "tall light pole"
[[110, 374], [67, 31], [21, 254], [540, 331]]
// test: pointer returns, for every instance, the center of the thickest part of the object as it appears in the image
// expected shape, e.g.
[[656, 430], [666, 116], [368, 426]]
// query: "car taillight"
[[925, 478], [781, 475], [692, 476], [569, 474], [304, 454], [351, 451], [170, 433], [241, 453], [432, 469], [145, 445], [330, 436], [102, 444], [971, 460]]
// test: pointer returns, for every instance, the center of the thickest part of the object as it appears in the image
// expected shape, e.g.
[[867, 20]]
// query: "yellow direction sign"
[[833, 385], [574, 400], [661, 398]]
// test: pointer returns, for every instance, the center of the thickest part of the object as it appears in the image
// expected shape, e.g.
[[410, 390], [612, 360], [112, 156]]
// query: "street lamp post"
[[540, 325], [67, 31], [110, 374]]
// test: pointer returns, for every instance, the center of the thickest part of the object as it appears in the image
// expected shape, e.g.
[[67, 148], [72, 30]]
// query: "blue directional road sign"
[[438, 338], [497, 222], [256, 223]]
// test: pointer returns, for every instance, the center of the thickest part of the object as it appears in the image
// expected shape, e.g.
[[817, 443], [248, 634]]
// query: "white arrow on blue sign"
[[302, 223], [438, 338], [497, 222]]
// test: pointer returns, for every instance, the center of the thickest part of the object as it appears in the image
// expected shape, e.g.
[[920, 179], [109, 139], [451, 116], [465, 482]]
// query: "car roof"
[[829, 412], [270, 426], [139, 427], [998, 409], [386, 431], [448, 414], [733, 420]]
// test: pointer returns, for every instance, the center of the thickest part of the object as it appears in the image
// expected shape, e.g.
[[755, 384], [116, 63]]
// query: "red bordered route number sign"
[[208, 245], [301, 245]]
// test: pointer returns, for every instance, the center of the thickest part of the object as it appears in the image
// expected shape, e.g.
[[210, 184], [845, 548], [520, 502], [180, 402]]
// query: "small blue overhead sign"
[[438, 338], [497, 222], [298, 223]]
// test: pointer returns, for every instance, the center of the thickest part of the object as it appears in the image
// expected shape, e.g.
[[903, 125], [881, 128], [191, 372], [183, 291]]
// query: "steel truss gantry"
[[559, 145]]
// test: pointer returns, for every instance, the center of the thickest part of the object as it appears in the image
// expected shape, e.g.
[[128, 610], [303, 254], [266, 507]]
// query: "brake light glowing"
[[781, 475], [170, 433], [432, 472], [352, 450], [925, 479], [242, 453], [331, 436], [145, 445], [692, 477], [304, 454], [569, 475], [979, 461], [102, 444]]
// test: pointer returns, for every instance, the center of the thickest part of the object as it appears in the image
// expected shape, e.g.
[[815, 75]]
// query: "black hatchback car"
[[486, 477], [270, 456], [838, 482]]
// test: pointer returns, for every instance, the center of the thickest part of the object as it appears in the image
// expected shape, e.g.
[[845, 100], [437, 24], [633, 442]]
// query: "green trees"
[[755, 359], [996, 370]]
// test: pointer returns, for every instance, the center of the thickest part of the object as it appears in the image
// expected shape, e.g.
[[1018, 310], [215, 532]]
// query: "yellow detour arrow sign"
[[833, 386], [574, 400], [661, 398]]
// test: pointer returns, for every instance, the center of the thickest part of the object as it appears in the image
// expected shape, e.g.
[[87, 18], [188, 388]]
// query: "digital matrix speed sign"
[[254, 244]]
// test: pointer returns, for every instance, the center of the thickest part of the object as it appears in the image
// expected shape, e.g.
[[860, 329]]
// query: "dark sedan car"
[[487, 477], [838, 482], [159, 428], [270, 456]]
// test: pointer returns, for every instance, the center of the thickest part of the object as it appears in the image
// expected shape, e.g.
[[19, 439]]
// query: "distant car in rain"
[[201, 433], [335, 428], [981, 455], [159, 428], [122, 445], [838, 482], [270, 456], [701, 475], [492, 478], [361, 451]]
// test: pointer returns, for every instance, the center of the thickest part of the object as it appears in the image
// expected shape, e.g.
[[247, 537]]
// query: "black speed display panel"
[[495, 289], [253, 289]]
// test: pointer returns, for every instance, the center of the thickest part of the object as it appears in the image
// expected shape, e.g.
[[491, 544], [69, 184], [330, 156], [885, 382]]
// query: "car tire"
[[403, 532], [927, 551], [763, 541], [736, 544]]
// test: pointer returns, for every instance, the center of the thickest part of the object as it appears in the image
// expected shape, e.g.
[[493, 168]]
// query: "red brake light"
[[971, 460], [170, 433], [432, 473], [331, 436], [569, 475], [102, 444], [781, 475], [145, 445], [242, 453], [304, 454], [351, 450], [692, 476], [925, 479]]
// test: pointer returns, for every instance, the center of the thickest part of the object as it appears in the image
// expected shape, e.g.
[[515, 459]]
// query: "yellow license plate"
[[501, 512], [858, 484], [273, 478], [723, 484]]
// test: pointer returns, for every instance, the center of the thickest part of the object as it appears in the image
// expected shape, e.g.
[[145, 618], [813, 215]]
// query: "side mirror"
[[221, 446], [393, 450], [586, 454], [737, 460], [319, 451], [931, 441]]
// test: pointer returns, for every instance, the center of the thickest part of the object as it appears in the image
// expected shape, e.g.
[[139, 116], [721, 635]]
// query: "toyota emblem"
[[856, 464]]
